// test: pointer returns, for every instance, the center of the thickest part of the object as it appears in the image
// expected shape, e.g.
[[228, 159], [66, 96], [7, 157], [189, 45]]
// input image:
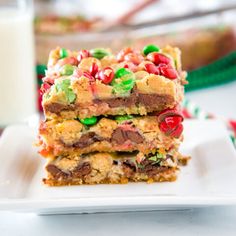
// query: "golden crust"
[[169, 176], [156, 84]]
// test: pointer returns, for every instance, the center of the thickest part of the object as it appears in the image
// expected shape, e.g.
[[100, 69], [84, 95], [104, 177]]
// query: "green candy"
[[67, 69], [121, 72], [150, 48], [63, 53], [125, 83], [99, 53], [123, 118], [157, 158], [89, 121], [64, 86]]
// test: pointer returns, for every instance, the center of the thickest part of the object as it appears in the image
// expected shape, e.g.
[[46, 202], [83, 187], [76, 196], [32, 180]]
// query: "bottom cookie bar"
[[100, 168]]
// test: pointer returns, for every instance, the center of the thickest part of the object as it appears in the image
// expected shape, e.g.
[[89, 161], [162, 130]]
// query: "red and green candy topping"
[[106, 75], [161, 69], [68, 60], [63, 53], [45, 87], [160, 63], [93, 70], [83, 54], [158, 58], [170, 122], [99, 53], [150, 48], [65, 86], [124, 81], [67, 69], [121, 55]]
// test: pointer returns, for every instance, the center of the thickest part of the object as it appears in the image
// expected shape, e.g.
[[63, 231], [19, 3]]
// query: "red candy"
[[164, 127], [168, 72], [131, 66], [89, 76], [44, 88], [45, 151], [134, 58], [40, 95], [120, 56], [171, 122], [83, 54], [68, 60], [91, 81], [170, 112], [158, 58], [152, 69], [93, 69], [106, 75], [178, 131], [77, 73], [161, 69], [48, 80]]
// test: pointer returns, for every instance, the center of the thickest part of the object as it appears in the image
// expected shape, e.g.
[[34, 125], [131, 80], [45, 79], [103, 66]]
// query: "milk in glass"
[[17, 78]]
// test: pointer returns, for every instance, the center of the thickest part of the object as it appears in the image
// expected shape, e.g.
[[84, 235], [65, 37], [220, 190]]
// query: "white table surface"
[[206, 221]]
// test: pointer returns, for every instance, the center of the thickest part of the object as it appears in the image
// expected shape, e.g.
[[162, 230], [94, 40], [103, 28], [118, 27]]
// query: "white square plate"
[[209, 179]]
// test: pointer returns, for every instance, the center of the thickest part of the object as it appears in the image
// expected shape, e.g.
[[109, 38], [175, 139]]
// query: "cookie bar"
[[99, 168], [119, 133], [112, 118], [92, 83]]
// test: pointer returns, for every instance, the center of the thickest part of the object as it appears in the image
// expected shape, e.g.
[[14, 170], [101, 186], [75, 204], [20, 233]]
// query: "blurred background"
[[203, 29]]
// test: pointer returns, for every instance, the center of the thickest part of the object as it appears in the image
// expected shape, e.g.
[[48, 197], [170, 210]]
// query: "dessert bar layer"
[[119, 133], [117, 168], [92, 83]]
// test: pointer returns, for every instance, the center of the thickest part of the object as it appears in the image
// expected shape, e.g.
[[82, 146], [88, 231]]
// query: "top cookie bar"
[[83, 84]]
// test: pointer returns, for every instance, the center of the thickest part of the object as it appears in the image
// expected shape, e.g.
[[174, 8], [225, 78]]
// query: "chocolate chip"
[[56, 172], [122, 101], [129, 168], [87, 139], [147, 167], [120, 136], [82, 170], [58, 107], [79, 172], [115, 162], [134, 136], [153, 102]]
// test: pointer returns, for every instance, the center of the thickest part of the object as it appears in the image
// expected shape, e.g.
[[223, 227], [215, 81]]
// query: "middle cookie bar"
[[109, 134]]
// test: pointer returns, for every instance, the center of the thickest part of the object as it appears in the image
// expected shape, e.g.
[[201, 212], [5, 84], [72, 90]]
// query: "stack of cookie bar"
[[112, 118]]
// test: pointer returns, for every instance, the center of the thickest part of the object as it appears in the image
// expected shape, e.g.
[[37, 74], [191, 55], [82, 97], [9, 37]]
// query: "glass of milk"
[[17, 63]]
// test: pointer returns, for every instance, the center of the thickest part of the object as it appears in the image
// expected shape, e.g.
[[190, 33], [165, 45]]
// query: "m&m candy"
[[89, 121]]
